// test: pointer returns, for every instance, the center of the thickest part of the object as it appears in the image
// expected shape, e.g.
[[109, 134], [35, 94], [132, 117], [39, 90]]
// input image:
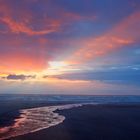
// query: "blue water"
[[36, 112], [69, 98]]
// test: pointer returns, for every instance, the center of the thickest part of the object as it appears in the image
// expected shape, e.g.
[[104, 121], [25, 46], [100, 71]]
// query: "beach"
[[89, 122], [70, 117]]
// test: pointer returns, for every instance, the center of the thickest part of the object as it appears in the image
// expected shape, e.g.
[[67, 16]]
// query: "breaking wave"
[[35, 119]]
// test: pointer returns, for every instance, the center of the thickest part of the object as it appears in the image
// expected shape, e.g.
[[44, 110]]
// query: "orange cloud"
[[125, 33], [21, 27], [52, 25], [21, 21], [22, 63], [19, 56]]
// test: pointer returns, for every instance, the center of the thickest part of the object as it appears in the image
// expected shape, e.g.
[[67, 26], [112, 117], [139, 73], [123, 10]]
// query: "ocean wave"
[[35, 119]]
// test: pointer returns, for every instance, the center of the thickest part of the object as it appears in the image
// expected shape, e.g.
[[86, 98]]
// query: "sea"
[[21, 114]]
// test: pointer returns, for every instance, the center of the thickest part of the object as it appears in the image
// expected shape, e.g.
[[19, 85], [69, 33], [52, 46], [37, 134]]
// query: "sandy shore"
[[93, 122]]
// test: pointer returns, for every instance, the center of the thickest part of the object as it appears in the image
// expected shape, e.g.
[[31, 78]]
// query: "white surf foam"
[[35, 119]]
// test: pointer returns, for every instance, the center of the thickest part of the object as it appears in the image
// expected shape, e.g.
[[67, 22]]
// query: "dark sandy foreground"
[[100, 122]]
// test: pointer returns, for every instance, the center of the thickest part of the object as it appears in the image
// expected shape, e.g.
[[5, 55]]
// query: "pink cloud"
[[123, 34], [21, 27]]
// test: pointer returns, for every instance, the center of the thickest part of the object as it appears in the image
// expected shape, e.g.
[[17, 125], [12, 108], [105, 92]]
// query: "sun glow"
[[57, 64], [56, 67]]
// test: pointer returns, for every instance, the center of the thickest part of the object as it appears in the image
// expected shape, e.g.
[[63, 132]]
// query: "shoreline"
[[68, 114], [110, 121], [34, 119]]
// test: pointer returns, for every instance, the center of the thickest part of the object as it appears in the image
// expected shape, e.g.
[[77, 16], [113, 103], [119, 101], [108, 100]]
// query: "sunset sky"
[[70, 47]]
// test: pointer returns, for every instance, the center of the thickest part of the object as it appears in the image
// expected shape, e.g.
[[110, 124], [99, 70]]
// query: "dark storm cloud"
[[20, 77]]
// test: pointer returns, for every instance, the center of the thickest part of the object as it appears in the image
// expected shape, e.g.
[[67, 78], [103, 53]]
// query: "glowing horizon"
[[93, 43]]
